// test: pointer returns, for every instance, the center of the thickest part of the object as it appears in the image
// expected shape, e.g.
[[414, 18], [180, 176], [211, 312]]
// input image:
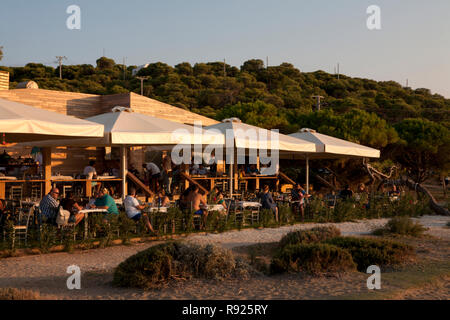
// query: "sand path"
[[47, 273]]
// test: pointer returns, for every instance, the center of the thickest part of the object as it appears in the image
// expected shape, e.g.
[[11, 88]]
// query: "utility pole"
[[224, 68], [142, 83], [338, 70], [60, 59], [124, 68], [318, 102]]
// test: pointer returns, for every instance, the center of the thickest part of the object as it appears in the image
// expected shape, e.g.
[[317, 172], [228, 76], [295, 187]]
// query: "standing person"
[[49, 206], [298, 194], [134, 209], [167, 171], [267, 201], [91, 173], [154, 175]]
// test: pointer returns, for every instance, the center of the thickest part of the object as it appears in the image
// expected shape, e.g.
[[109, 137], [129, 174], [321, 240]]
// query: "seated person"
[[69, 204], [267, 201], [49, 206], [161, 200], [220, 199], [346, 193], [252, 170], [212, 196], [184, 199], [241, 171], [4, 216], [134, 209], [105, 201], [201, 170], [394, 191], [198, 203]]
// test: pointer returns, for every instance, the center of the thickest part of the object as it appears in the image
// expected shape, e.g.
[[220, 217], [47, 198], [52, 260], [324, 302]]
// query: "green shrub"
[[366, 252], [401, 226], [312, 258], [158, 265], [316, 234]]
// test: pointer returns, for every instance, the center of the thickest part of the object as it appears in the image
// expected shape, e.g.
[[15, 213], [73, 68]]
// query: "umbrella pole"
[[307, 175], [123, 170], [231, 180]]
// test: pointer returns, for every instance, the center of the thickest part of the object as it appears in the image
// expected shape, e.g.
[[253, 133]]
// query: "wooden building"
[[69, 160]]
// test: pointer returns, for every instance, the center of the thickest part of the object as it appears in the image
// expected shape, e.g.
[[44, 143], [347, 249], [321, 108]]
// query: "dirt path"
[[47, 273]]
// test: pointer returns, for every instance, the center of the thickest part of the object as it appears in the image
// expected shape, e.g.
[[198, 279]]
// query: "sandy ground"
[[47, 273]]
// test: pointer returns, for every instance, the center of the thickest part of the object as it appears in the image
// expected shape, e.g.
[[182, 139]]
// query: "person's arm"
[[77, 206]]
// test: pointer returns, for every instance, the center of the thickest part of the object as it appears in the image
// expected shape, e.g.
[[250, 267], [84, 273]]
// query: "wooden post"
[[185, 169], [2, 190], [123, 170], [47, 166], [88, 190]]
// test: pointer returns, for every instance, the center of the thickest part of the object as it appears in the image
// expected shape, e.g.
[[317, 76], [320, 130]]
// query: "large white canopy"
[[251, 137], [21, 123], [327, 147], [125, 127]]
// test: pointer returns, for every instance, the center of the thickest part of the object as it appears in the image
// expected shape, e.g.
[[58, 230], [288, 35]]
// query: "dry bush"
[[401, 226], [313, 235], [18, 294], [367, 252], [313, 258], [157, 265]]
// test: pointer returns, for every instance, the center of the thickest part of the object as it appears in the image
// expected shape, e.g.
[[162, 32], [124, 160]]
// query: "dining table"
[[86, 213]]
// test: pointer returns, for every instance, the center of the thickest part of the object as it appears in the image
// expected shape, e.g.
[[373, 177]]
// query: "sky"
[[413, 42]]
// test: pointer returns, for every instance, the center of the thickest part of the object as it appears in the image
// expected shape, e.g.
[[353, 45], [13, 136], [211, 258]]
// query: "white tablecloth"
[[105, 177], [215, 207], [61, 178], [8, 178], [248, 204], [156, 209]]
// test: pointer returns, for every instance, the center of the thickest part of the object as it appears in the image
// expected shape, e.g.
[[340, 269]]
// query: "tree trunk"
[[433, 203]]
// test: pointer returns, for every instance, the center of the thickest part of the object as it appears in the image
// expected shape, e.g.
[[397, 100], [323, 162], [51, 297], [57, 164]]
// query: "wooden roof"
[[83, 105]]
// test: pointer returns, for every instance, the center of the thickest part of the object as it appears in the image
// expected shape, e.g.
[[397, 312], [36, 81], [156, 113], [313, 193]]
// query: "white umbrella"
[[20, 123], [327, 147], [250, 137], [123, 127]]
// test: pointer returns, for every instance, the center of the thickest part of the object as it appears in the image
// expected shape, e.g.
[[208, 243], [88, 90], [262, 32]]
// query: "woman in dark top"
[[267, 201], [69, 204]]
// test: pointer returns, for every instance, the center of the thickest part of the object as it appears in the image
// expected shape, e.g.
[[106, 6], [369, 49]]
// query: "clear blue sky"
[[414, 42]]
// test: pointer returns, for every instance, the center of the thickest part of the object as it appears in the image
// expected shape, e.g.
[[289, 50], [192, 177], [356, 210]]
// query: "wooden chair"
[[16, 193], [20, 231]]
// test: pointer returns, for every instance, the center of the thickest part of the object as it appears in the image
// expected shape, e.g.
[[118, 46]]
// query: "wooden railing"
[[140, 184], [188, 178]]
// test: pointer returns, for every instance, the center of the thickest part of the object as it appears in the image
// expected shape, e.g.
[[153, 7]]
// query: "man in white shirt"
[[134, 209], [89, 171], [154, 175]]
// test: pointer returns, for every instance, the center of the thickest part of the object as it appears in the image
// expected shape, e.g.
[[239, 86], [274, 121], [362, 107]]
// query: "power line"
[[318, 101], [60, 59], [142, 83]]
